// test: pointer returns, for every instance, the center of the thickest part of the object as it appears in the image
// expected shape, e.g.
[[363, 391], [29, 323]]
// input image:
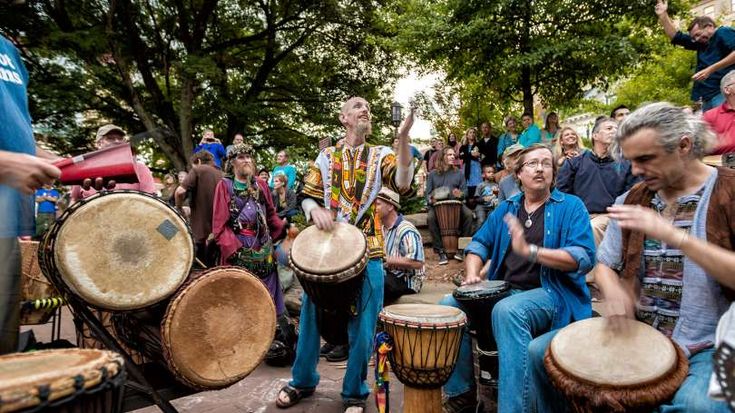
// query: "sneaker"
[[326, 349], [464, 403], [339, 353], [459, 256], [443, 258]]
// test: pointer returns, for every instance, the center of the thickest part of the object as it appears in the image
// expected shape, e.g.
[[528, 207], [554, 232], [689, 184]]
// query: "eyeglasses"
[[535, 163]]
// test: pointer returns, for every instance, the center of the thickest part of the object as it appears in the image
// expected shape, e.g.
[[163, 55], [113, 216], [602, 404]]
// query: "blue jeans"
[[713, 102], [691, 396], [360, 332], [516, 320]]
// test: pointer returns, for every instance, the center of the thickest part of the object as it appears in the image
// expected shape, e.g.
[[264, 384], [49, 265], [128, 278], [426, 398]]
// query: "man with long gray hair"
[[722, 118], [665, 146]]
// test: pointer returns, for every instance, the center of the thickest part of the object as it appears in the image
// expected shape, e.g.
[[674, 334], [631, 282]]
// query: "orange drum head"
[[327, 252], [591, 351], [218, 328], [22, 374], [123, 251]]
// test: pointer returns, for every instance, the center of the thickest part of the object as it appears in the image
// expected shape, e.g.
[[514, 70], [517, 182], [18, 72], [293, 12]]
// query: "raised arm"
[[661, 10]]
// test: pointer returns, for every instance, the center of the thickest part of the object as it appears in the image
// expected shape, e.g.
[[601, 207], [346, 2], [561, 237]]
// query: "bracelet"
[[532, 253]]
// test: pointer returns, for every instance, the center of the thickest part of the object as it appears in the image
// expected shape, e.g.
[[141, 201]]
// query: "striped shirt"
[[404, 240]]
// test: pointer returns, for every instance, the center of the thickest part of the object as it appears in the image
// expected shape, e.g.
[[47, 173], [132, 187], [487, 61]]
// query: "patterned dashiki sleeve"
[[313, 185], [389, 169]]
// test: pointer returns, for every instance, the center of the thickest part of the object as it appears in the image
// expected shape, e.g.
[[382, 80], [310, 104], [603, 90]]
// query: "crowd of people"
[[637, 214]]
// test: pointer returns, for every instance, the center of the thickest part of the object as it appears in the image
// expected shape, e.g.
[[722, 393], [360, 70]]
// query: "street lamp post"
[[396, 116]]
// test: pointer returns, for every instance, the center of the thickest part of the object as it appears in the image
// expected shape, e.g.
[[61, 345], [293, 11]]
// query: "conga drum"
[[330, 266], [213, 333], [39, 299], [426, 341], [599, 369], [448, 218], [478, 301], [62, 381], [119, 250]]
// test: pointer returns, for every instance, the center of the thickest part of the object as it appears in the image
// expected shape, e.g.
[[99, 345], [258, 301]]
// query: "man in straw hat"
[[404, 249], [342, 186]]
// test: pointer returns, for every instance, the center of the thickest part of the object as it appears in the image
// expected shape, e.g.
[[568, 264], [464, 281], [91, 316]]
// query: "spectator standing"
[[214, 146], [551, 127], [199, 185], [283, 167], [440, 145], [236, 140], [488, 145], [46, 198], [429, 152], [509, 137], [531, 133], [715, 47], [169, 188], [404, 250], [470, 155], [507, 183]]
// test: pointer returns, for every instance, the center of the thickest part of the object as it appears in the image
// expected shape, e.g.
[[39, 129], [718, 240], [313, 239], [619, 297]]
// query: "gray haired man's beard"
[[363, 129]]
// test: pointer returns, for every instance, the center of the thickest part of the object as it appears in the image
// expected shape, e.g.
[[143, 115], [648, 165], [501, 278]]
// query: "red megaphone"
[[111, 163]]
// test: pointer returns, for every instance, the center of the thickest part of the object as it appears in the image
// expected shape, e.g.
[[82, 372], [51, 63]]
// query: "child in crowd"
[[487, 195]]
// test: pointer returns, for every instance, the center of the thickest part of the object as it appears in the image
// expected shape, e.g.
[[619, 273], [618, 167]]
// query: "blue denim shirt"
[[567, 227]]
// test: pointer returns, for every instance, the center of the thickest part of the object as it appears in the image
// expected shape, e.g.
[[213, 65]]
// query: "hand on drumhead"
[[99, 184], [322, 219], [457, 193], [617, 307], [518, 238]]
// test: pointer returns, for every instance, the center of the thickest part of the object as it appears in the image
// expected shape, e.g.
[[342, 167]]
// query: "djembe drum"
[[213, 333], [119, 250], [426, 341], [330, 266], [39, 299], [62, 381], [478, 301], [448, 218], [599, 369]]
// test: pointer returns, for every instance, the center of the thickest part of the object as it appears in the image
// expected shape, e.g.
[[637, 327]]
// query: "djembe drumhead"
[[319, 252], [91, 381], [122, 250], [601, 369]]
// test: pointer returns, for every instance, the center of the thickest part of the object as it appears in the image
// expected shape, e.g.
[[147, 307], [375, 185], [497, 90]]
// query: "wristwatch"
[[532, 253]]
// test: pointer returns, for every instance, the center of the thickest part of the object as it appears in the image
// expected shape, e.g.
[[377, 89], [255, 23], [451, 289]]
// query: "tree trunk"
[[527, 91], [185, 118]]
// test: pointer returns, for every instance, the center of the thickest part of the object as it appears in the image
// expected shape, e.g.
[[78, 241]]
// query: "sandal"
[[294, 396]]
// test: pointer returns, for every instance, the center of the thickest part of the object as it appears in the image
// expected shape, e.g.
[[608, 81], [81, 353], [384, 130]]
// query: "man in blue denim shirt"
[[540, 241], [665, 147]]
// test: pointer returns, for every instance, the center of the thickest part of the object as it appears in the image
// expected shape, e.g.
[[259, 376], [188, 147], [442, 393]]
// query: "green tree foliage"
[[666, 76], [276, 70], [523, 48]]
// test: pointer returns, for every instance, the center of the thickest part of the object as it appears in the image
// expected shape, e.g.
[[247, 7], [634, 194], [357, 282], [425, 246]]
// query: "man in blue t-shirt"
[[214, 146], [21, 173], [46, 198], [715, 48]]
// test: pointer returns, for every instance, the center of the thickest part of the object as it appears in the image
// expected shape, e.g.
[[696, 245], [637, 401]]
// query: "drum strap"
[[383, 346]]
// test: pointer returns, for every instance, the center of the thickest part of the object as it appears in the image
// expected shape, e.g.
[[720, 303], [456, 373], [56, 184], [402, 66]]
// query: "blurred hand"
[[26, 173], [471, 279], [661, 7], [702, 74], [457, 192], [618, 306], [637, 218], [322, 218], [518, 239]]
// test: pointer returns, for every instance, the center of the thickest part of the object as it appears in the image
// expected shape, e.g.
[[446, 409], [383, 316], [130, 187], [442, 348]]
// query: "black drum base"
[[332, 325]]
